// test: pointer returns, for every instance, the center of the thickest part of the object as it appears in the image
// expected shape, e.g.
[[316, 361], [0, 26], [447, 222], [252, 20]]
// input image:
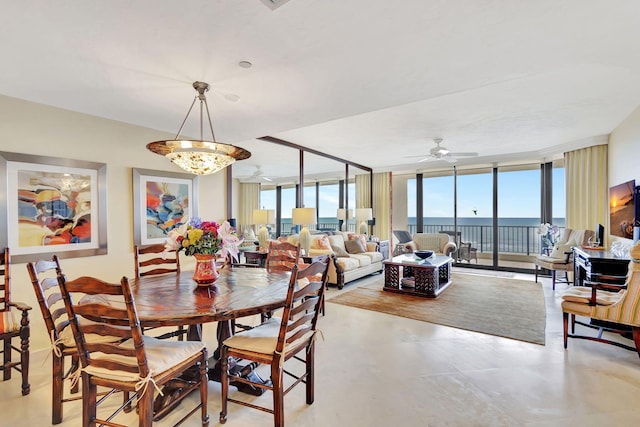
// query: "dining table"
[[176, 300]]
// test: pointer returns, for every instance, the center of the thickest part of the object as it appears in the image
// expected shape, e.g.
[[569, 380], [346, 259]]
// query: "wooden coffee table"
[[402, 274]]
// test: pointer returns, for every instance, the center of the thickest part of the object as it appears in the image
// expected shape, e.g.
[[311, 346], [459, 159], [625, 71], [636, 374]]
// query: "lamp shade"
[[344, 214], [260, 216], [364, 214], [304, 216], [271, 216]]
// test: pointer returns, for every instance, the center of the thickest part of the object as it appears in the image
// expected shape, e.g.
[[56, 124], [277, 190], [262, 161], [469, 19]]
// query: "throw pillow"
[[339, 252], [323, 243], [361, 237], [354, 246]]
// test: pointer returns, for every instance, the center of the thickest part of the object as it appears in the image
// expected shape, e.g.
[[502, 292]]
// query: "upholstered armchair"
[[561, 257], [437, 242], [606, 306]]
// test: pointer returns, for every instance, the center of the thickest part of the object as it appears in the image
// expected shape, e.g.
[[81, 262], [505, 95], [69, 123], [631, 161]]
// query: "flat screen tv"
[[621, 209]]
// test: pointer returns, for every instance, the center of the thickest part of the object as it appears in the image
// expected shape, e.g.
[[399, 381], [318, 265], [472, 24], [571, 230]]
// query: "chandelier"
[[199, 157]]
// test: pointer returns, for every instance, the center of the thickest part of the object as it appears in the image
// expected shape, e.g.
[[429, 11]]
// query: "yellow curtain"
[[382, 205], [586, 187], [249, 199], [362, 191]]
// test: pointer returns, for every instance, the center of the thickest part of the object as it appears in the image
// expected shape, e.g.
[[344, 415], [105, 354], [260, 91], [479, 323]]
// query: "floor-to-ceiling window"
[[497, 210]]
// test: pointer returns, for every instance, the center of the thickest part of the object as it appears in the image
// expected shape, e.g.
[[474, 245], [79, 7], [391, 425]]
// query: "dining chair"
[[12, 328], [282, 256], [136, 363], [153, 260], [277, 341], [43, 274]]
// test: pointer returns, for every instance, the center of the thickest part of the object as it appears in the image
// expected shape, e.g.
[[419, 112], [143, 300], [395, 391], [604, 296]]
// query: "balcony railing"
[[515, 239]]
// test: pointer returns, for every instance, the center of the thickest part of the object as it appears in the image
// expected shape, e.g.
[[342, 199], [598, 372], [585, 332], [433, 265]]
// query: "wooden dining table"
[[176, 300]]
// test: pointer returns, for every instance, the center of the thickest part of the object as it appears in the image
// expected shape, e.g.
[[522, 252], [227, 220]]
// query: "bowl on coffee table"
[[423, 254]]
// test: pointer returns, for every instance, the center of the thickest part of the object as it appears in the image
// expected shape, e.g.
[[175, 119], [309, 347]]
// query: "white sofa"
[[345, 266]]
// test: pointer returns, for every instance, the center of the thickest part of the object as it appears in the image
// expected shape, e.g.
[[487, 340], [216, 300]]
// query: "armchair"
[[561, 257], [606, 303], [437, 242]]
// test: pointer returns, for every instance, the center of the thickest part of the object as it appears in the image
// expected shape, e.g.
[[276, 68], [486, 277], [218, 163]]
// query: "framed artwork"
[[162, 201], [622, 209], [52, 206]]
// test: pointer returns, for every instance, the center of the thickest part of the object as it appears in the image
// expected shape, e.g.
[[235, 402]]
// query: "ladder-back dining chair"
[[43, 274], [136, 363], [153, 259], [282, 256], [278, 340], [14, 328]]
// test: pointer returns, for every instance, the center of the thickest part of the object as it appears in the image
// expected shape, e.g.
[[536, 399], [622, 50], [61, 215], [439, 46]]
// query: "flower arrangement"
[[204, 237], [549, 234]]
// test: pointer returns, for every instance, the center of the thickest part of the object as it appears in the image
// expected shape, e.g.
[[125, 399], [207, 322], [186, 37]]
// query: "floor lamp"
[[364, 215], [304, 217]]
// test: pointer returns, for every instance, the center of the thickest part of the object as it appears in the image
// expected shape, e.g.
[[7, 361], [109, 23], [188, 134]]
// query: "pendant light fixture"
[[199, 157]]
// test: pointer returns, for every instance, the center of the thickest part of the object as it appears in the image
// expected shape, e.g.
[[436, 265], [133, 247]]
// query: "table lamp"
[[263, 217], [344, 215], [364, 215], [304, 217]]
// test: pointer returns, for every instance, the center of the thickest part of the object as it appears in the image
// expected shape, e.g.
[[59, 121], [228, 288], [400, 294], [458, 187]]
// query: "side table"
[[256, 257]]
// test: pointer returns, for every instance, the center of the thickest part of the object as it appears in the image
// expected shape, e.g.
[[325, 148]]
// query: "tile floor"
[[375, 369]]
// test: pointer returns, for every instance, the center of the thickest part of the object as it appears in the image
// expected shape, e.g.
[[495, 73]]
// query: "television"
[[622, 209]]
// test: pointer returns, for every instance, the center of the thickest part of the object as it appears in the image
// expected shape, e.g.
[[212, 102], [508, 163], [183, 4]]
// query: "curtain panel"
[[586, 187], [249, 199]]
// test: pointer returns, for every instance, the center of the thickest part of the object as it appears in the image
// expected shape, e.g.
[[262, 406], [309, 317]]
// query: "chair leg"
[[7, 360], [89, 396], [224, 384], [310, 373], [565, 328], [57, 389], [636, 339], [25, 332], [553, 280], [145, 407], [536, 269], [204, 390], [278, 393]]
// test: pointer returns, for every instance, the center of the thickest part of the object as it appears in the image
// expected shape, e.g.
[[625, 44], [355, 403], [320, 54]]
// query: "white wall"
[[31, 128]]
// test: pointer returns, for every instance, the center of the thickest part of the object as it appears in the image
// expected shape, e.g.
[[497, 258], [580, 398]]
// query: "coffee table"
[[406, 274]]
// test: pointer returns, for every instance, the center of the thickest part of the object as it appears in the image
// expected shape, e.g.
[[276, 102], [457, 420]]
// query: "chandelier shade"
[[199, 157]]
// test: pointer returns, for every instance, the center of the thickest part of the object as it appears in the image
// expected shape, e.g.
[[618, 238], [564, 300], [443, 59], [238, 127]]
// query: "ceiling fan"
[[442, 153], [258, 175]]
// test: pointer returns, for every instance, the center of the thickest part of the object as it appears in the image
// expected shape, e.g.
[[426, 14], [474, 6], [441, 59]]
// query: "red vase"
[[206, 272]]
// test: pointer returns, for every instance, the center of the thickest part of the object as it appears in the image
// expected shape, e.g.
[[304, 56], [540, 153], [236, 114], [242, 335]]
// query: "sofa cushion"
[[363, 259], [348, 263], [354, 246], [361, 237], [374, 256]]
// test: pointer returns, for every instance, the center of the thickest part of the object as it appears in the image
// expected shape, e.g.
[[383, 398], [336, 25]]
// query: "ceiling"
[[369, 81]]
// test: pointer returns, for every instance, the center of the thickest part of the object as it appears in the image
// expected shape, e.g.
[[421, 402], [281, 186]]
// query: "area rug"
[[504, 307]]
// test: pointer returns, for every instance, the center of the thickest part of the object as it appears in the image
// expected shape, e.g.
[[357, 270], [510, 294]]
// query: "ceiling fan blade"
[[419, 155], [463, 154], [267, 179], [426, 159], [450, 159]]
